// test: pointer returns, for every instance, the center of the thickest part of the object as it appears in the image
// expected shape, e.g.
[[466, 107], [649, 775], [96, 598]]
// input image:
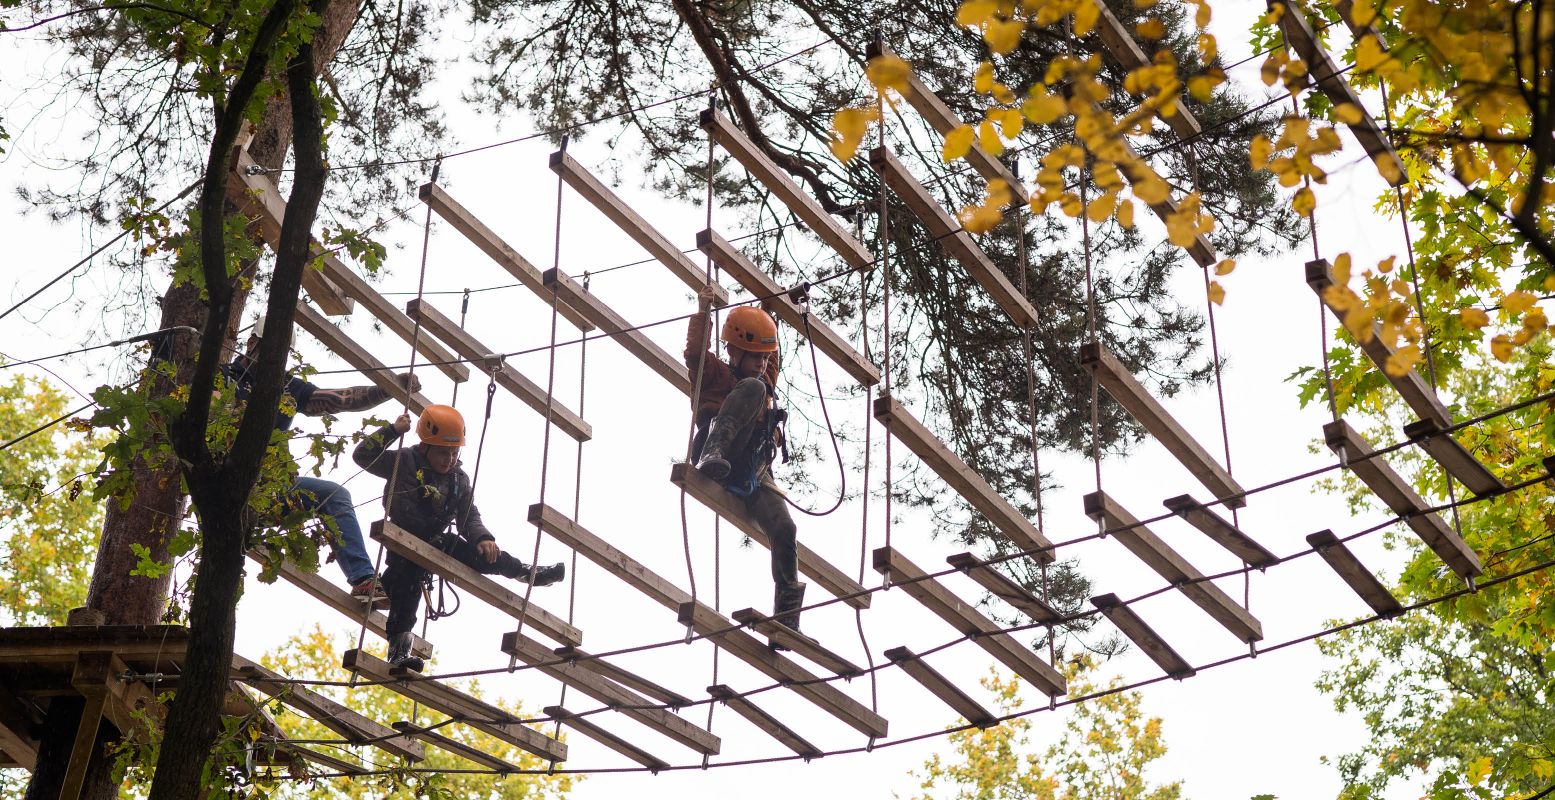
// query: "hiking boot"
[[545, 576], [399, 653], [714, 463], [371, 589], [785, 609]]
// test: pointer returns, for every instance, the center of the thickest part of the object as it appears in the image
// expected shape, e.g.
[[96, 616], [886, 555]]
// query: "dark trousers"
[[403, 579]]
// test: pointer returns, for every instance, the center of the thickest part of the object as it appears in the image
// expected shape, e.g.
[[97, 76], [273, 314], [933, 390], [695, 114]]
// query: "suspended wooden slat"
[[1149, 548], [348, 724], [607, 556], [796, 641], [587, 727], [1153, 417], [970, 622], [766, 722], [732, 508], [805, 207], [454, 746], [334, 764], [951, 236], [624, 333], [1221, 531], [429, 558], [357, 356], [937, 456], [257, 198], [1143, 636], [628, 220], [941, 687], [469, 710], [1301, 39], [508, 376], [826, 340], [1354, 573], [330, 595], [604, 669], [1396, 494], [1454, 457], [999, 585], [1126, 51], [492, 245]]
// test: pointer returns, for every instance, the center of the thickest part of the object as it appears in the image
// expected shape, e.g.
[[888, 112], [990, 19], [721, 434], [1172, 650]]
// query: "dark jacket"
[[299, 390], [425, 502]]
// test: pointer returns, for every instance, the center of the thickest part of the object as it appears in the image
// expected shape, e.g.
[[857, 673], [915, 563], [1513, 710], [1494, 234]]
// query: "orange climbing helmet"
[[751, 330], [441, 425]]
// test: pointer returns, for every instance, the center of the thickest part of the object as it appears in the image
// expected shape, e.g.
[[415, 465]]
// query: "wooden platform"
[[766, 722], [320, 589], [1454, 457], [799, 643], [424, 555], [455, 746], [1149, 548], [1001, 586], [348, 724], [1125, 50], [1355, 574], [732, 508], [587, 727], [968, 621], [941, 687], [337, 342], [1143, 636], [622, 332], [1221, 531]]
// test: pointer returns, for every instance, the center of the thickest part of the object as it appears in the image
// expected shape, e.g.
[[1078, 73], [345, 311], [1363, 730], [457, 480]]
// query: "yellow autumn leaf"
[[1358, 321], [1386, 265], [1085, 15], [1181, 229], [1519, 301], [1042, 108], [988, 139], [1152, 190], [1002, 94], [1386, 167], [1070, 203], [980, 219], [1349, 113], [1402, 361], [888, 72], [1010, 121], [1208, 48], [1125, 213], [1474, 318], [973, 13], [1100, 208], [1003, 35], [1217, 293], [982, 79], [1225, 267], [1362, 13], [957, 143], [1342, 269], [1150, 29], [1501, 348], [848, 128], [1202, 16], [1479, 770], [1259, 151], [1303, 202], [1466, 165], [1202, 88]]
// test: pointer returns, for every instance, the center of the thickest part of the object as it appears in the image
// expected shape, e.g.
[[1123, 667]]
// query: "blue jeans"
[[328, 499]]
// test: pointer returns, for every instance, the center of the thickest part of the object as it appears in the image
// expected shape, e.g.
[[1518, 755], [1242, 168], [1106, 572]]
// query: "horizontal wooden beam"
[[492, 245], [1355, 574], [454, 746], [798, 642], [357, 356], [627, 219], [18, 740], [731, 260], [1221, 531], [937, 456], [1001, 586], [1143, 636], [1159, 556], [347, 604], [607, 556], [346, 723], [507, 375], [766, 722], [624, 333], [1396, 493], [941, 687], [325, 760], [429, 558], [153, 646], [967, 620], [1153, 417], [1125, 50], [951, 236], [259, 200], [1454, 457], [630, 680], [727, 505], [587, 727]]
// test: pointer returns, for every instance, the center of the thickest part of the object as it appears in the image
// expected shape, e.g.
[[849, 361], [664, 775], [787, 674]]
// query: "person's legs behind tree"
[[728, 435], [769, 510], [331, 501], [402, 580]]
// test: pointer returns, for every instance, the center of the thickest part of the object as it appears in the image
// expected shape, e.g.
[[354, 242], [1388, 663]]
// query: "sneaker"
[[545, 576], [373, 589]]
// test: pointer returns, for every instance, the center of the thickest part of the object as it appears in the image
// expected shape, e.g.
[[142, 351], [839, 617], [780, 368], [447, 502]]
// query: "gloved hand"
[[410, 381]]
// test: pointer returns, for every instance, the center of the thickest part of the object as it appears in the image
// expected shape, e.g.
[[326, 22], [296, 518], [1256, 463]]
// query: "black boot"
[[785, 608], [399, 653], [714, 462], [539, 576]]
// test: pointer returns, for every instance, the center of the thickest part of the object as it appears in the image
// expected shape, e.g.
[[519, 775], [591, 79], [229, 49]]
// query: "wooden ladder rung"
[[340, 600], [624, 333], [454, 746], [587, 727], [967, 620], [1148, 411], [805, 207], [323, 759], [951, 236], [1454, 457], [337, 342], [1003, 587], [937, 456], [637, 683], [259, 199], [727, 505], [1396, 494], [628, 220], [343, 721], [796, 641], [607, 556], [508, 376], [1143, 636], [1126, 51], [1355, 574], [429, 558], [766, 722], [1221, 531], [941, 687], [826, 340], [492, 245], [1149, 548]]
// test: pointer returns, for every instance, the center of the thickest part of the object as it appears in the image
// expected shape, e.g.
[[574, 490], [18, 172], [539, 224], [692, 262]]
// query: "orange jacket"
[[718, 378]]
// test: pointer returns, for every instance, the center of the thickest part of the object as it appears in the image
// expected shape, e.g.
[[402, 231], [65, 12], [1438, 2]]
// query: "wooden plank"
[[348, 724], [357, 356], [766, 722], [1149, 548], [1144, 408], [805, 207], [967, 620], [937, 456], [454, 746], [731, 260], [604, 554], [98, 672], [470, 711], [1321, 69], [1126, 51], [951, 236], [1001, 586], [508, 376], [797, 642], [424, 555], [624, 333], [704, 620], [258, 199], [1221, 531], [325, 760], [604, 669], [628, 220], [16, 733], [327, 593], [492, 245], [158, 646], [90, 679], [1143, 636], [732, 508], [1454, 457], [941, 687], [1355, 574], [1396, 494], [608, 692], [587, 727]]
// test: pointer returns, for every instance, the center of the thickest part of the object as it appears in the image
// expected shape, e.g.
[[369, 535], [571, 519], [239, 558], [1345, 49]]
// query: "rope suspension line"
[[883, 227], [710, 271]]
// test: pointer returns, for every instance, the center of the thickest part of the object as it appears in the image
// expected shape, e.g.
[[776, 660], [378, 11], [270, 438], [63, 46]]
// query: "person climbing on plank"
[[430, 493], [328, 500], [737, 432]]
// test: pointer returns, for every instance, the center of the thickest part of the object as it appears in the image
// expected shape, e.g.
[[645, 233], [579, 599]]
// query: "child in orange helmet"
[[432, 492]]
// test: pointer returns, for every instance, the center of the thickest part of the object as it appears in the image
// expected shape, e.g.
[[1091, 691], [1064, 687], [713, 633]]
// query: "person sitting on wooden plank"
[[431, 492], [328, 500], [737, 433]]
